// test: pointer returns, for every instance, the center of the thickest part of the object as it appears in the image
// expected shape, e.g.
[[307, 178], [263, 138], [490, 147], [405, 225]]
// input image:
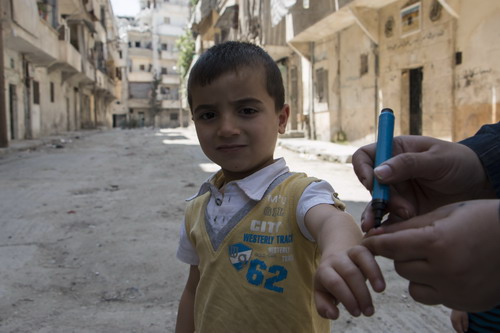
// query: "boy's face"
[[237, 123]]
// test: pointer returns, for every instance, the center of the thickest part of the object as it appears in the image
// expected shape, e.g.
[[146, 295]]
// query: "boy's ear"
[[283, 115]]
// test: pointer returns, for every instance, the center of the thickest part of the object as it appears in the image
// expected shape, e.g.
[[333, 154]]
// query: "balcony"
[[69, 58], [139, 52], [170, 104], [104, 83], [32, 36], [169, 55], [140, 76], [170, 79]]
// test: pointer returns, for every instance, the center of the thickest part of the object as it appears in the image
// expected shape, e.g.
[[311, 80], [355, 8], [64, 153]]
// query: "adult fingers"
[[362, 162], [418, 271], [424, 294], [401, 245], [407, 166], [465, 323]]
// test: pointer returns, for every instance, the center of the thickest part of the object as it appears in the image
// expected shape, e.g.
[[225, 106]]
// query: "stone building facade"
[[151, 84], [59, 65], [434, 62]]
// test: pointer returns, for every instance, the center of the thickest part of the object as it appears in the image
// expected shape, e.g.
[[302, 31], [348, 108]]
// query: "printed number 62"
[[255, 275]]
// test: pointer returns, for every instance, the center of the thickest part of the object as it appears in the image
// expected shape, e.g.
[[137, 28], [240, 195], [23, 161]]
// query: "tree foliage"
[[185, 44]]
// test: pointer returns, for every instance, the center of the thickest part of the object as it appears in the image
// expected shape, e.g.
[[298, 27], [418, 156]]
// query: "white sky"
[[125, 7]]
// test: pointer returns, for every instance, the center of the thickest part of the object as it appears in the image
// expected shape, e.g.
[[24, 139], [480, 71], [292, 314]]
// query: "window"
[[36, 92], [142, 67], [410, 19], [164, 70], [137, 44], [52, 92], [120, 54], [363, 68], [322, 85], [118, 73], [140, 90], [164, 46], [174, 116], [103, 17], [166, 20]]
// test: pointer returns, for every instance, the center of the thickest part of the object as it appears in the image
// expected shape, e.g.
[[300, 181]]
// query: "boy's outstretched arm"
[[345, 265], [185, 314]]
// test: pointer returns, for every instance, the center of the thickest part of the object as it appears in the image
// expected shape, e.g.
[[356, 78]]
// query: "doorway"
[[416, 76], [411, 101], [13, 111]]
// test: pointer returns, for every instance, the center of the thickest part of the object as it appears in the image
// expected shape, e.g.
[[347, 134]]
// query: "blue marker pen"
[[380, 194]]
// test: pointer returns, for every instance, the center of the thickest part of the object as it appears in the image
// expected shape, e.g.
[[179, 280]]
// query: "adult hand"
[[450, 255], [459, 321], [425, 173]]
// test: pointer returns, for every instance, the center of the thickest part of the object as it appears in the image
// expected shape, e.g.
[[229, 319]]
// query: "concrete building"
[[59, 65], [151, 77], [434, 62]]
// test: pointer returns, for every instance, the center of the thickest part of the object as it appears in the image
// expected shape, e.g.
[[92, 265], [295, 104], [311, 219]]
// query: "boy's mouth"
[[232, 147]]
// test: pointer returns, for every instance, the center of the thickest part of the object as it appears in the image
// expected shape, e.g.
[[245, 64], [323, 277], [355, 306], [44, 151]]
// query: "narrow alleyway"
[[89, 233]]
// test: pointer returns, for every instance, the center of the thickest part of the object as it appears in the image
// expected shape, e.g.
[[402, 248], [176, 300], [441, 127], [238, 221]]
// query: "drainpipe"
[[312, 121], [4, 139]]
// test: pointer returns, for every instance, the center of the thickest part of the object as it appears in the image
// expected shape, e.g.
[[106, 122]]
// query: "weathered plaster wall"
[[478, 77], [432, 48], [357, 90]]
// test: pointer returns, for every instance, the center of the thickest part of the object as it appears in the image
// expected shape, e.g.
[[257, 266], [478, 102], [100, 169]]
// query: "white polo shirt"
[[222, 206]]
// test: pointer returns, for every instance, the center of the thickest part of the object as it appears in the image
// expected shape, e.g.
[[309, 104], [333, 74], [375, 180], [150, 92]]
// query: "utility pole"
[[4, 139]]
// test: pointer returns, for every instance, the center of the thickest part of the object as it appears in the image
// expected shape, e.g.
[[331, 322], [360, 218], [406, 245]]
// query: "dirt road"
[[89, 233]]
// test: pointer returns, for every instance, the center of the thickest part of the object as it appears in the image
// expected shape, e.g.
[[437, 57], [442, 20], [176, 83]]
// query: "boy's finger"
[[331, 282], [326, 305], [369, 267]]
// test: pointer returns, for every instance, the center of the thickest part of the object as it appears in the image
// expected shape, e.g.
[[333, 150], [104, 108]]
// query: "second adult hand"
[[380, 193]]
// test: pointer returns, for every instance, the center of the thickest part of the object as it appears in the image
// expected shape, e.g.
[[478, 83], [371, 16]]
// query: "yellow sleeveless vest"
[[256, 275]]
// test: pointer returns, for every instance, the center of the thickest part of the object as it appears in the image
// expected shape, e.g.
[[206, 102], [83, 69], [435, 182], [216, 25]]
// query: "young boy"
[[255, 232]]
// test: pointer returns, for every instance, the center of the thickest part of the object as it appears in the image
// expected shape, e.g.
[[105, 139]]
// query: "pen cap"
[[383, 152], [384, 136]]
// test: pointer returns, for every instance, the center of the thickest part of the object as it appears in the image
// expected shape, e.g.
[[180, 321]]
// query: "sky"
[[125, 7]]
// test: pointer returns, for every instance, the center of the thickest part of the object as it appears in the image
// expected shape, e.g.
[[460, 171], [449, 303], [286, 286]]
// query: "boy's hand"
[[341, 278]]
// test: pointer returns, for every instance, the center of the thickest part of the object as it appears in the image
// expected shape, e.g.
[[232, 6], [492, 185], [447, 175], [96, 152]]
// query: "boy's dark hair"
[[230, 57]]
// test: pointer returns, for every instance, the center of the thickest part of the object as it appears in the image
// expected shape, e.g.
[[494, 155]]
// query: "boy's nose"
[[228, 126]]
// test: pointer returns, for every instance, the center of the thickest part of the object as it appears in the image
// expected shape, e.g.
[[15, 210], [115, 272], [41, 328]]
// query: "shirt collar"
[[254, 186]]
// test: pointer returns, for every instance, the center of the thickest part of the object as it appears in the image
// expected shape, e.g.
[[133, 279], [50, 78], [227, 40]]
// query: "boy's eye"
[[206, 115], [248, 111]]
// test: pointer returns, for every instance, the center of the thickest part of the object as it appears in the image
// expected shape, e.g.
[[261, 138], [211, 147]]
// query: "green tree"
[[185, 44], [154, 103]]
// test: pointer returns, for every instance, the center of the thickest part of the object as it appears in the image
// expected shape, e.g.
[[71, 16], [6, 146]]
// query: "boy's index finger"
[[369, 267]]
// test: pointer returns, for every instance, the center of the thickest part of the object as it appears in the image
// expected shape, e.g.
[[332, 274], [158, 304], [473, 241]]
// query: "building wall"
[[432, 49], [477, 78], [357, 105], [49, 64], [370, 50]]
